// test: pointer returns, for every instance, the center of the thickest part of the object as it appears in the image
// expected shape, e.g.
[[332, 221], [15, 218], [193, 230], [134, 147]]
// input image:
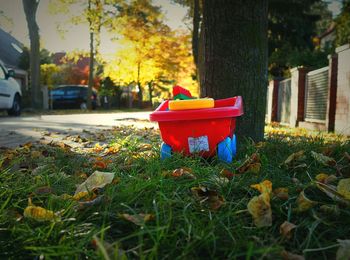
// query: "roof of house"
[[10, 49]]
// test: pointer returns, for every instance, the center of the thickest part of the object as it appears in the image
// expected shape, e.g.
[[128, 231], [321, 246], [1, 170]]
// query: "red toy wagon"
[[208, 132]]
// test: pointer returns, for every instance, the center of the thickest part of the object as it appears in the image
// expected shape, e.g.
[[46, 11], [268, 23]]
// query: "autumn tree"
[[151, 52], [30, 8], [235, 58], [96, 13]]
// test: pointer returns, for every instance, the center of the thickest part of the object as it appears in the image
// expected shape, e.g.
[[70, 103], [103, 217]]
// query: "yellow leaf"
[[303, 203], [39, 213], [286, 229], [35, 154], [137, 219], [294, 157], [344, 188], [281, 193], [96, 180], [260, 209], [325, 178], [265, 186]]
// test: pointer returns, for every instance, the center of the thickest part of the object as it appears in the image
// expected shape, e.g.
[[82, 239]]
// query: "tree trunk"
[[150, 91], [195, 32], [139, 94], [235, 58], [91, 71], [30, 7]]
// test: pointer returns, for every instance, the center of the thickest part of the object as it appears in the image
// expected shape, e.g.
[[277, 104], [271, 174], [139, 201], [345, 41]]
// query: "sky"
[[76, 37]]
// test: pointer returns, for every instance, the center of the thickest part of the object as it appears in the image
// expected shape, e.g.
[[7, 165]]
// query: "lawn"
[[180, 208]]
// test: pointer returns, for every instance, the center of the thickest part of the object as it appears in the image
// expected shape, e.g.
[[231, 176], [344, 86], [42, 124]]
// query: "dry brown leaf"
[[227, 174], [281, 193], [322, 159], [208, 197], [100, 165], [39, 213], [183, 172], [293, 158], [43, 190], [286, 229], [137, 219], [252, 164], [290, 256]]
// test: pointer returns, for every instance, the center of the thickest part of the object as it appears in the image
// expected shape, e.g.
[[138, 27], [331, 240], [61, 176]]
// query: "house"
[[10, 53]]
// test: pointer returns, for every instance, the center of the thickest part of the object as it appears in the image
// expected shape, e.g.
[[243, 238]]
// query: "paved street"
[[19, 130]]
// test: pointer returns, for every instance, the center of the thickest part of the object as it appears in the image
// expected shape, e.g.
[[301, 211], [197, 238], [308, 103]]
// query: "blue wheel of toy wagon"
[[234, 145], [224, 150], [165, 151]]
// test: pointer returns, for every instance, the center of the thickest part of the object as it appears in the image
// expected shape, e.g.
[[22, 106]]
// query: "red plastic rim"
[[229, 107]]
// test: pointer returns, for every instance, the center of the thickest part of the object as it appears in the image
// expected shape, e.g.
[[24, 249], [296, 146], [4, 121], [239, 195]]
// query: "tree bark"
[[235, 58], [30, 7], [91, 72], [91, 61], [195, 32], [150, 91]]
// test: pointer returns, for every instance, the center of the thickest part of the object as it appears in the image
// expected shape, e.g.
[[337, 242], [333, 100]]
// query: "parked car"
[[10, 92], [72, 96]]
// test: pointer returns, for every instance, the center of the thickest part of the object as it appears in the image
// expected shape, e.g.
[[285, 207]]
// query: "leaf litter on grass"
[[169, 199]]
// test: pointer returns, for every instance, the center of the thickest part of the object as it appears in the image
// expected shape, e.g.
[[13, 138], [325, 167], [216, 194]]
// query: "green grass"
[[182, 227]]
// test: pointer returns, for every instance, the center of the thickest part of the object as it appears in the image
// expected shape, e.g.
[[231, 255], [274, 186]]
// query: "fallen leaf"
[[286, 229], [39, 213], [303, 203], [323, 159], [293, 158], [137, 219], [332, 192], [260, 209], [183, 172], [252, 164], [325, 178], [281, 193], [35, 154], [98, 148], [96, 180], [265, 186], [290, 256], [343, 252], [85, 204], [227, 174], [344, 188], [259, 206], [43, 190], [209, 197], [85, 196], [100, 165]]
